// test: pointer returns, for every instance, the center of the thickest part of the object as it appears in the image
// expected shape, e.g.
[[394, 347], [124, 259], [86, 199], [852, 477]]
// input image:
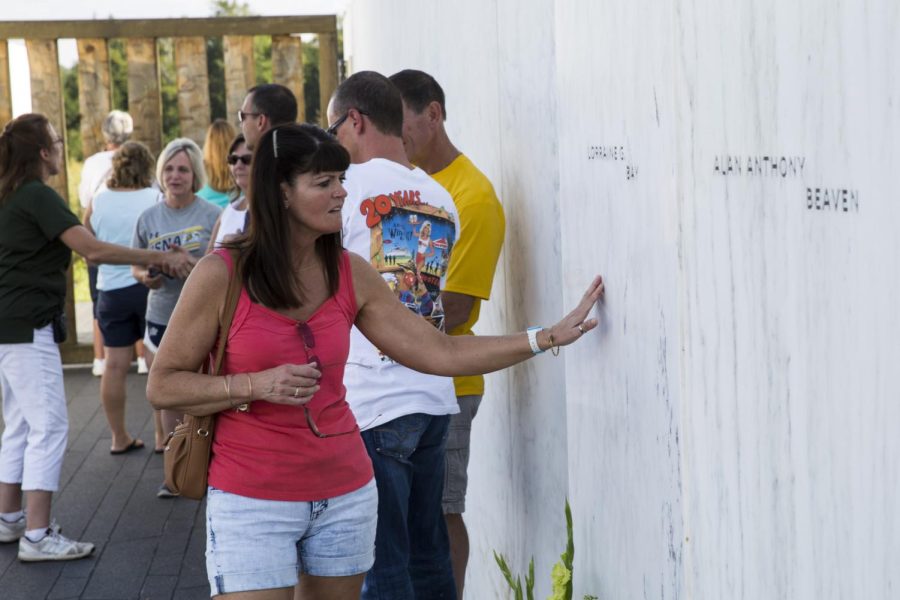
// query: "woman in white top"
[[233, 218], [122, 301]]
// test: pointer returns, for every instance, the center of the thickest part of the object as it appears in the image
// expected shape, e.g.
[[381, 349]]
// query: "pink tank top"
[[269, 452]]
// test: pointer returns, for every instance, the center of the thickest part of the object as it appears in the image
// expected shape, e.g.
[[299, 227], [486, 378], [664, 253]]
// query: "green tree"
[[262, 58], [72, 113], [230, 8], [311, 81], [215, 57], [118, 73], [168, 90], [215, 69]]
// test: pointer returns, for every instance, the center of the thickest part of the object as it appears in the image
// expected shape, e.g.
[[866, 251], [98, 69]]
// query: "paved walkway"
[[147, 548]]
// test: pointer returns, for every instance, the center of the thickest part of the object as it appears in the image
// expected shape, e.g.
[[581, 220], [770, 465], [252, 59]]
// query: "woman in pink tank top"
[[291, 486]]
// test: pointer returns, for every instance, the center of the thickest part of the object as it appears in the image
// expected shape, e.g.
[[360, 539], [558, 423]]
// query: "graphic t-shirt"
[[33, 260], [406, 226], [161, 227], [113, 218], [482, 227]]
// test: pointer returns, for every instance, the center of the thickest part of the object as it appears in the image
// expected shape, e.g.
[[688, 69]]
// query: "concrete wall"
[[730, 432]]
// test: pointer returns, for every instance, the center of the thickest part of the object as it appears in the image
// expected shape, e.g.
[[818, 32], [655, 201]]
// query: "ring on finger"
[[581, 328], [296, 391]]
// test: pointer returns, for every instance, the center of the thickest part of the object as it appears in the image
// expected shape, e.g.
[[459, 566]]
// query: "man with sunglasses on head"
[[266, 106], [406, 225], [469, 278]]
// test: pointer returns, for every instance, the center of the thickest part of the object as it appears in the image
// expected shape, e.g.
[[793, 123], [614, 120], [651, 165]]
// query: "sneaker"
[[165, 492], [54, 546], [99, 367], [142, 366], [11, 532]]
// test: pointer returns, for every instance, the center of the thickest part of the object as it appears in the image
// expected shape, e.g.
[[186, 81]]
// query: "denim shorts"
[[254, 544], [121, 315]]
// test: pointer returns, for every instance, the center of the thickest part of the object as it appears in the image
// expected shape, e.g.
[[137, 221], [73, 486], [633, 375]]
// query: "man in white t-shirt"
[[117, 128], [405, 224]]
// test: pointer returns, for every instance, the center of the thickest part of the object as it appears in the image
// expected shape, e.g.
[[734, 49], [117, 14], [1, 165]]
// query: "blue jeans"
[[412, 551]]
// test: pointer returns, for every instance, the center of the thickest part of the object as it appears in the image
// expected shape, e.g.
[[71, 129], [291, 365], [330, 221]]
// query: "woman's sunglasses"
[[244, 158], [309, 343]]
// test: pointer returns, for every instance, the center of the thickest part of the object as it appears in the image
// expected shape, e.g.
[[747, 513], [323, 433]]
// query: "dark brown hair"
[[21, 143], [275, 101], [266, 255], [132, 167], [419, 89], [374, 95], [237, 141]]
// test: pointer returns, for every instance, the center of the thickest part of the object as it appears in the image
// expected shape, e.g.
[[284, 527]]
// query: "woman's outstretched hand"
[[177, 262], [576, 324]]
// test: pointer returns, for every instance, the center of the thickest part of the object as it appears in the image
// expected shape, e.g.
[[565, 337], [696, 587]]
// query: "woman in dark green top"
[[37, 235]]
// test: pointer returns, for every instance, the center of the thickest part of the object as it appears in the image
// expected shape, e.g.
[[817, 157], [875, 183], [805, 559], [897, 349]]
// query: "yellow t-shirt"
[[475, 254]]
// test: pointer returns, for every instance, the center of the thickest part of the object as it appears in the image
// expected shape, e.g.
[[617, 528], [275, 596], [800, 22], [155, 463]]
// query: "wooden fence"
[[144, 102]]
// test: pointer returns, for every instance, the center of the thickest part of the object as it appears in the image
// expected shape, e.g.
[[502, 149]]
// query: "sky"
[[58, 10]]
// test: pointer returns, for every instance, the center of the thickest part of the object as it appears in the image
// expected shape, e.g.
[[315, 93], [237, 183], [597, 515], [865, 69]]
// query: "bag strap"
[[235, 283]]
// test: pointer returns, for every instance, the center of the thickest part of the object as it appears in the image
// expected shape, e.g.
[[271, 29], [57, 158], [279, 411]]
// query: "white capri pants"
[[34, 413]]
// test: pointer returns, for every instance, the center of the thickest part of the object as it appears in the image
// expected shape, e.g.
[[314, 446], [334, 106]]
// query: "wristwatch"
[[532, 339]]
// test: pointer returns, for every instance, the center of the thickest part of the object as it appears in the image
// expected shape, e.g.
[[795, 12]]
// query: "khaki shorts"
[[456, 462]]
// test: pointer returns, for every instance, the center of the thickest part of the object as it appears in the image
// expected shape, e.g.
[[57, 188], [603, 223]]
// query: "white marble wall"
[[730, 432], [617, 194], [791, 475]]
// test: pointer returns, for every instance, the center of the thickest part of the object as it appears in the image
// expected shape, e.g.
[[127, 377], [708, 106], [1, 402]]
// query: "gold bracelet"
[[554, 349], [245, 406], [227, 388]]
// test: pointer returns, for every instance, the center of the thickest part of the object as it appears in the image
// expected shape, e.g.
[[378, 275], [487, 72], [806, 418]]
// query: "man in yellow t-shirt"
[[469, 278]]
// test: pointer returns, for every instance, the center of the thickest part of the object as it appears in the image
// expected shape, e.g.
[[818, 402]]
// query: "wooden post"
[[46, 96], [5, 90], [193, 87], [144, 104], [94, 90], [328, 73], [287, 68], [240, 72]]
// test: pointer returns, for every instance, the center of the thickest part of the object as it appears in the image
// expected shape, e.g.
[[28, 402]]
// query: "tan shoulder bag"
[[186, 459]]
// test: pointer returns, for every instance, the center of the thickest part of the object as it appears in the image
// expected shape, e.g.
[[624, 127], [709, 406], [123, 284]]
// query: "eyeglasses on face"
[[243, 114], [309, 342], [233, 159], [337, 124]]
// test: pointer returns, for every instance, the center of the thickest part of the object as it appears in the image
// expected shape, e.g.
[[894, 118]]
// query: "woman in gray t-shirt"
[[182, 219]]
